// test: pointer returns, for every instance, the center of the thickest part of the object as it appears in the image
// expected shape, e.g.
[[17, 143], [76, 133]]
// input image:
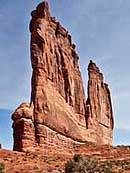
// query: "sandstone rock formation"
[[99, 107], [23, 127], [58, 115]]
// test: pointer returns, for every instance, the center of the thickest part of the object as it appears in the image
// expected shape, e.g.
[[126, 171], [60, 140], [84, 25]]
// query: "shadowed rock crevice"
[[58, 115]]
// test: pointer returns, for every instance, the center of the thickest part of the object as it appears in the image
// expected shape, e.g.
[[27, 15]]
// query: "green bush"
[[81, 165], [78, 157], [2, 167], [69, 166], [87, 164]]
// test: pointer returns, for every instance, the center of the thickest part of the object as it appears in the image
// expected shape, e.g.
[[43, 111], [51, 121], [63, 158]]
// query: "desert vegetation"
[[88, 164], [2, 167]]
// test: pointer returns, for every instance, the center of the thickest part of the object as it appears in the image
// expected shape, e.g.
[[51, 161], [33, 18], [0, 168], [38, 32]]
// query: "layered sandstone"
[[58, 114], [99, 107], [23, 127]]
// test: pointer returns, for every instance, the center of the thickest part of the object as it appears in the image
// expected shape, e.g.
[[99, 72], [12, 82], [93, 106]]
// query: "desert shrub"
[[69, 166], [77, 157], [87, 164], [80, 165], [106, 167], [2, 167]]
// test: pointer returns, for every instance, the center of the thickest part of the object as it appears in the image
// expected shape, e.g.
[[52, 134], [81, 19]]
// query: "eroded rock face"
[[23, 127], [57, 114], [99, 107], [57, 90]]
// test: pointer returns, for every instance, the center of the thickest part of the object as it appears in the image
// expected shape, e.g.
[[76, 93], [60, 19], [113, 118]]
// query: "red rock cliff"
[[57, 114], [99, 108]]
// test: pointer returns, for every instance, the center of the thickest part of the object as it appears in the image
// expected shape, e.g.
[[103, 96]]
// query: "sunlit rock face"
[[99, 106], [58, 115]]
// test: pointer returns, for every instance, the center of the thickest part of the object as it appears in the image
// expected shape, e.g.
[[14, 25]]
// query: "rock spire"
[[58, 115]]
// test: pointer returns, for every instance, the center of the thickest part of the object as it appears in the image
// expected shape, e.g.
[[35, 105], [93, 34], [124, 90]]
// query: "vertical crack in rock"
[[58, 115]]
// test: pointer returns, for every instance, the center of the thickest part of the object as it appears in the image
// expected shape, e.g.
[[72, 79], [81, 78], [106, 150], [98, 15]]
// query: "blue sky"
[[101, 31], [6, 133]]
